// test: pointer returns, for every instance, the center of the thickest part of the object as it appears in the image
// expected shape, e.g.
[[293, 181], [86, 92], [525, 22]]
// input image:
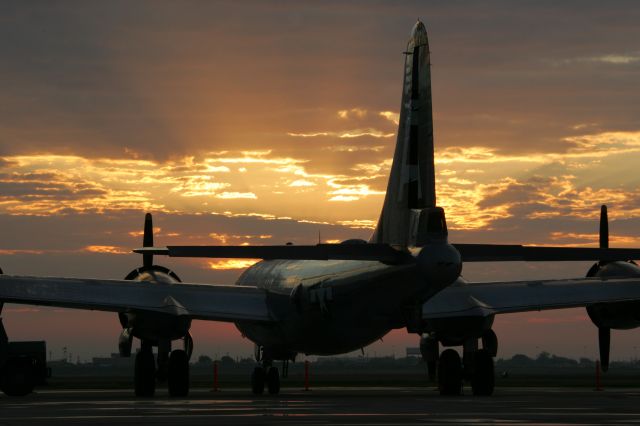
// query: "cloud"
[[301, 183], [591, 239], [107, 249], [346, 134], [359, 223], [345, 198], [352, 113], [581, 147], [198, 186], [230, 239], [12, 252], [236, 195], [226, 264], [353, 148], [394, 117], [610, 59]]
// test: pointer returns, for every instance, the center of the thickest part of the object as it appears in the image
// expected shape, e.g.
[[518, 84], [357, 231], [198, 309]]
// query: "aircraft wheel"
[[257, 381], [145, 373], [483, 379], [450, 373], [18, 377], [178, 373], [273, 381]]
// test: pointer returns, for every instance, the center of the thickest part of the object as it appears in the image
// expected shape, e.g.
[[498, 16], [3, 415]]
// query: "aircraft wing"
[[484, 299], [197, 301]]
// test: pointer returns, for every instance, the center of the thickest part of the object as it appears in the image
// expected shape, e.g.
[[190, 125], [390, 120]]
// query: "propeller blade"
[[147, 240], [604, 341], [604, 227]]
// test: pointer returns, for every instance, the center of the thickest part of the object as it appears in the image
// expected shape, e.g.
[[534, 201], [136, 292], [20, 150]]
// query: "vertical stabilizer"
[[411, 187]]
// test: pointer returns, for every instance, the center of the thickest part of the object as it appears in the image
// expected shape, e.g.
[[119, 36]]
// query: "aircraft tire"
[[450, 373], [483, 378], [257, 381], [145, 374], [273, 381], [18, 377], [178, 373]]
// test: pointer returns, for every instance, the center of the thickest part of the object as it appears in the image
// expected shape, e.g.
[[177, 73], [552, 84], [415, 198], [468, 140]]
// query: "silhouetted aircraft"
[[335, 298]]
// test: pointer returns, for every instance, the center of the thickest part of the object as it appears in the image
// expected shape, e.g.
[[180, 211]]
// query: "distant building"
[[115, 360]]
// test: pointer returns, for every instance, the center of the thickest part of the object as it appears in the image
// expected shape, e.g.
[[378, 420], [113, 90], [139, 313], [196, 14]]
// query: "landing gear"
[[257, 381], [450, 373], [145, 372], [430, 350], [478, 369], [273, 381], [482, 378], [178, 376], [267, 375]]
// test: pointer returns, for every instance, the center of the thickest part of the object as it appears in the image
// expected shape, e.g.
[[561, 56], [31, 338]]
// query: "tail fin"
[[410, 201]]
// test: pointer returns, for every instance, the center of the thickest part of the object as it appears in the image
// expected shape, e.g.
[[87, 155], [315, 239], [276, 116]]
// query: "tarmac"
[[322, 406]]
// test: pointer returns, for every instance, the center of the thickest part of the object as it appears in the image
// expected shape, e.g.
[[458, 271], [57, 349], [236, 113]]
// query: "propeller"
[[604, 227], [147, 240], [604, 333], [604, 343]]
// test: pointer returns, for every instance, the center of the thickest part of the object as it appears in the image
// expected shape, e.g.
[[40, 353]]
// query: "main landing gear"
[[479, 371], [265, 375], [176, 374], [476, 366]]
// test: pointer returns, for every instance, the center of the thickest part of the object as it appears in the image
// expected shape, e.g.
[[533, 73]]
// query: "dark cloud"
[[74, 231], [21, 191], [157, 79]]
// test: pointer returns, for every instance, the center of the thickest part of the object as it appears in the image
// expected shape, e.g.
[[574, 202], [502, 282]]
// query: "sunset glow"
[[285, 133]]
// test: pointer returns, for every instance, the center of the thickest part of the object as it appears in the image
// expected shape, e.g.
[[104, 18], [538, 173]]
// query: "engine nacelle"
[[619, 315], [154, 326]]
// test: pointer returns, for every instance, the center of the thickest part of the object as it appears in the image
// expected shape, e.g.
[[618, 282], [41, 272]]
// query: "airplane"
[[329, 299]]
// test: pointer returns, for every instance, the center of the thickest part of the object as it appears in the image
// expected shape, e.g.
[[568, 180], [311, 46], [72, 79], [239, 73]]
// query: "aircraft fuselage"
[[330, 307]]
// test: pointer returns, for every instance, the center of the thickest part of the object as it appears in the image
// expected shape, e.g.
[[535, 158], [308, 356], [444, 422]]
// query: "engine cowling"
[[152, 327], [156, 274], [619, 315]]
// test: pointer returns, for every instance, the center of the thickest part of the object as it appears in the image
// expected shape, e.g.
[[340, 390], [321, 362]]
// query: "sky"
[[270, 122]]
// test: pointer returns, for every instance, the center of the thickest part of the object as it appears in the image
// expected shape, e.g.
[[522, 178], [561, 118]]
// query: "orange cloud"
[[353, 112], [347, 134], [226, 264], [107, 249], [235, 195], [234, 239], [394, 117], [8, 252]]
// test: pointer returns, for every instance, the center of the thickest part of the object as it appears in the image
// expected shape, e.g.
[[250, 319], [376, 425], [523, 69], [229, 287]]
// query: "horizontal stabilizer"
[[373, 252], [514, 253]]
